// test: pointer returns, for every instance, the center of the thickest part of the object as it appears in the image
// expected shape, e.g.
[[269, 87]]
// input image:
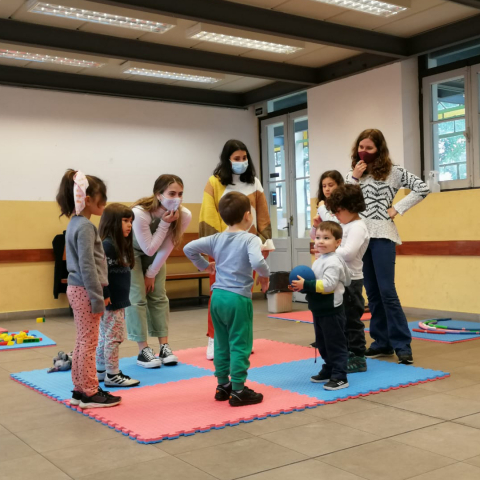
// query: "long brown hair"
[[335, 175], [382, 166], [65, 198], [151, 204], [111, 227]]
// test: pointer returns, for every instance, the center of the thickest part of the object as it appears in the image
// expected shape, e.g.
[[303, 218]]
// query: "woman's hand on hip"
[[149, 284], [392, 213], [360, 167], [170, 216]]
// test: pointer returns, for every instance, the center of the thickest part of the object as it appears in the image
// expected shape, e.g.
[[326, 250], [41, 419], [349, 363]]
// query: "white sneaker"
[[120, 380], [166, 355], [147, 359], [210, 348]]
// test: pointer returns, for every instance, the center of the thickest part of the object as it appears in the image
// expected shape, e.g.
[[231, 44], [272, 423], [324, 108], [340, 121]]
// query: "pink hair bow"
[[80, 191]]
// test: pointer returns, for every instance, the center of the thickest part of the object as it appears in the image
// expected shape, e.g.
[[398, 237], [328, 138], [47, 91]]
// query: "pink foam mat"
[[186, 407], [305, 316], [267, 352]]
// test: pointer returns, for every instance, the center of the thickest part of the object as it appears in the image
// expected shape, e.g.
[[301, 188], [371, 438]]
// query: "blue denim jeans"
[[388, 327]]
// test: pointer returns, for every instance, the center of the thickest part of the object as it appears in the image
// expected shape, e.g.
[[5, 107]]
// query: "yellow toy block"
[[8, 338], [9, 344], [3, 335], [28, 337], [19, 340], [40, 319]]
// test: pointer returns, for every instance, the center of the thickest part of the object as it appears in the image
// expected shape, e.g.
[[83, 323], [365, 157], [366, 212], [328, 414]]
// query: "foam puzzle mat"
[[183, 394], [46, 342], [305, 316], [447, 337]]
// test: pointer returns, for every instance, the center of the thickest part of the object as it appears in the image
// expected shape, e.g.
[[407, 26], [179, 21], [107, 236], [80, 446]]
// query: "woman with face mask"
[[160, 221], [380, 180], [234, 173]]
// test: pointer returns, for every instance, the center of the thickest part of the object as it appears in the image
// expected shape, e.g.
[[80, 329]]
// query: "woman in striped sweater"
[[380, 181], [234, 173]]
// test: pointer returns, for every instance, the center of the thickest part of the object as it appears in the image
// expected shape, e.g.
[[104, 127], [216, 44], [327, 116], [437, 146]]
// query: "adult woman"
[[380, 180], [159, 224], [234, 173]]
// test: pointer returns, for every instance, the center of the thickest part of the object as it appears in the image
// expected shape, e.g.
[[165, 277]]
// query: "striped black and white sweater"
[[379, 195]]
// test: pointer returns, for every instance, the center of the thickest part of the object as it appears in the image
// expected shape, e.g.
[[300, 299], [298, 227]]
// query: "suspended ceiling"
[[334, 42]]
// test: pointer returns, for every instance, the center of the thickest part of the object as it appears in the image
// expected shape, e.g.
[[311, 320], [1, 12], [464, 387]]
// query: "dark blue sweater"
[[118, 279]]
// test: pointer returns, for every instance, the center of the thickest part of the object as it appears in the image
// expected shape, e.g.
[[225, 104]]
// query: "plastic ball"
[[301, 271]]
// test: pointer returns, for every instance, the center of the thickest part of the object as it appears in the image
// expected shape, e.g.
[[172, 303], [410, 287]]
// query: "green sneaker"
[[356, 364]]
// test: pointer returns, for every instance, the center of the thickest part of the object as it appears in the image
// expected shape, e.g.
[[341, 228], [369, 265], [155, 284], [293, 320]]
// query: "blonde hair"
[[151, 204]]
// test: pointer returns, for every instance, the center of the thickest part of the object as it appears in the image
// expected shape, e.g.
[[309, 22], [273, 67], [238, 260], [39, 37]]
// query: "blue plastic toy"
[[302, 271]]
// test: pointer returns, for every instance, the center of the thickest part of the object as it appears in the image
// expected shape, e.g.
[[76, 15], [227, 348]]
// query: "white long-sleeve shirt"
[[159, 242], [354, 245], [379, 195], [325, 215]]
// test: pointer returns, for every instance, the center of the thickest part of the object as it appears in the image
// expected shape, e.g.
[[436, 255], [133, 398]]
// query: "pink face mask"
[[368, 157]]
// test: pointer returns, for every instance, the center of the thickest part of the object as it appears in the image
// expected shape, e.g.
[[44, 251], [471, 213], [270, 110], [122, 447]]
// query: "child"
[[325, 297], [236, 253], [329, 181], [83, 196], [116, 233], [346, 202]]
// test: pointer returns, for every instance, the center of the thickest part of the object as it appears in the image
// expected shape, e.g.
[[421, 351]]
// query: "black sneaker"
[[356, 364], [147, 359], [246, 397], [166, 355], [322, 377], [313, 344], [120, 380], [100, 400], [76, 397], [223, 392], [405, 358], [379, 352], [335, 384]]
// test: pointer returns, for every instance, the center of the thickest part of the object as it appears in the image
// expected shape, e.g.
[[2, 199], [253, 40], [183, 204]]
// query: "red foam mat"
[[305, 316], [155, 413], [267, 352]]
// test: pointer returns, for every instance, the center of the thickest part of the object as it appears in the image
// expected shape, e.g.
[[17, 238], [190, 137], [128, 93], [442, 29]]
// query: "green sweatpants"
[[232, 317]]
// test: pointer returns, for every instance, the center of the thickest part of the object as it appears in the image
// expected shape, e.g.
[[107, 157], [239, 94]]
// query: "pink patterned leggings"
[[84, 374], [112, 334]]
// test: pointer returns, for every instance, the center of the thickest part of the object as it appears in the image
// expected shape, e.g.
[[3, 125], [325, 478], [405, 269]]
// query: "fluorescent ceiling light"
[[171, 75], [198, 32], [36, 57], [382, 9], [99, 17]]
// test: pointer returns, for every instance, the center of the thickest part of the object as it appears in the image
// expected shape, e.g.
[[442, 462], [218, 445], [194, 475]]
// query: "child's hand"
[[316, 221], [149, 284], [211, 268], [108, 301], [265, 254], [170, 216], [264, 282], [297, 285]]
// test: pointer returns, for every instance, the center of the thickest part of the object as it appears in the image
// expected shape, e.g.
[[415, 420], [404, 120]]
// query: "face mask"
[[368, 157], [239, 167], [171, 204]]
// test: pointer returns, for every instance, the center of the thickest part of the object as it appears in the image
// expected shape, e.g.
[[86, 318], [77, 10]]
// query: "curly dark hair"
[[348, 197], [224, 168], [335, 175], [382, 166]]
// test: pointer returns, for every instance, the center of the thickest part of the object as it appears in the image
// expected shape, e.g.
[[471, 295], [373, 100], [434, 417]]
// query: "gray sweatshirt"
[[86, 261]]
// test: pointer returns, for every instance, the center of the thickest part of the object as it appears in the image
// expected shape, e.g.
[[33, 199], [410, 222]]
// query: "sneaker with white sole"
[[76, 397], [101, 399], [210, 348], [166, 355], [120, 380], [147, 359], [335, 384]]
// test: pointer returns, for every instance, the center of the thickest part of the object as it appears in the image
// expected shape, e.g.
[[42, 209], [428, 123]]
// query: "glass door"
[[475, 82], [286, 180]]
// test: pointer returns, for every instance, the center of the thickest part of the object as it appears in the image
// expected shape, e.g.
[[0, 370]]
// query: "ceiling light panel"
[[383, 9], [146, 72], [102, 18], [36, 57], [205, 33]]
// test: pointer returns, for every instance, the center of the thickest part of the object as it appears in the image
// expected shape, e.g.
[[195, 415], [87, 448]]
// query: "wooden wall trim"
[[468, 248]]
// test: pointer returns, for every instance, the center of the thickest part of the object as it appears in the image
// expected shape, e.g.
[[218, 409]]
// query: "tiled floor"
[[426, 432]]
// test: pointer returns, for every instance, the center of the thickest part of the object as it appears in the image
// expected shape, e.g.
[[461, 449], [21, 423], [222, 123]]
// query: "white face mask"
[[239, 167], [171, 204]]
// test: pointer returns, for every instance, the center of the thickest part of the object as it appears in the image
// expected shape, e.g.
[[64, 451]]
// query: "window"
[[451, 127]]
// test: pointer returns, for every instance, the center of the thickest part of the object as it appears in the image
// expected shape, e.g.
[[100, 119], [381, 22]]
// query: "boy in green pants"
[[236, 253]]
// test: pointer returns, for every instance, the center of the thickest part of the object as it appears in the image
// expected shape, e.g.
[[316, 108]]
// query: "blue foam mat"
[[59, 384], [448, 337], [46, 342], [381, 375]]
